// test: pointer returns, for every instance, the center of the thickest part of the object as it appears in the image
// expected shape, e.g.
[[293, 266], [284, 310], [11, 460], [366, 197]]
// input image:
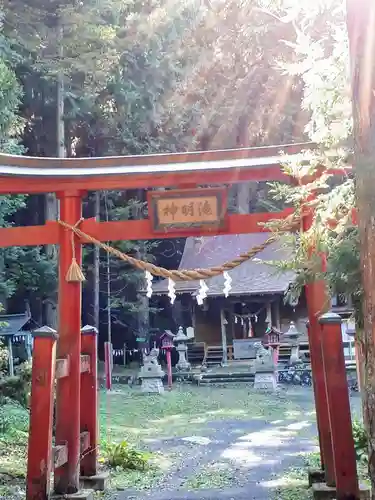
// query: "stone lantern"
[[291, 337], [181, 340]]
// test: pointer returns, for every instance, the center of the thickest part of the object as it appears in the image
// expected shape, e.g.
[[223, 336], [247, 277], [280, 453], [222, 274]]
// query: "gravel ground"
[[236, 459]]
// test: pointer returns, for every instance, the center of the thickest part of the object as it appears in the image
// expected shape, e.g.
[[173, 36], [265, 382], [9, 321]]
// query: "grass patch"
[[14, 423], [140, 419], [184, 411], [215, 475]]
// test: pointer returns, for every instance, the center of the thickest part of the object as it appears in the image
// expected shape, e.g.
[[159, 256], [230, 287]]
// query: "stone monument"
[[265, 370], [151, 374], [181, 340]]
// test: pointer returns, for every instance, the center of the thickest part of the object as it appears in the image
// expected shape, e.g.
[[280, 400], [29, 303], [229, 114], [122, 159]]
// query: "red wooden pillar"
[[339, 408], [39, 459], [316, 299], [89, 401], [318, 302], [68, 388]]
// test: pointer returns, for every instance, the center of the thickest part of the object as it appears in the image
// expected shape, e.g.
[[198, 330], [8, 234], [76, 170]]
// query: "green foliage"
[[11, 124], [122, 455], [360, 441], [3, 359], [28, 270], [17, 388], [13, 418], [321, 59]]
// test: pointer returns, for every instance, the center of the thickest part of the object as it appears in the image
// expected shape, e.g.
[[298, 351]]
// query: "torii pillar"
[[69, 346], [318, 302]]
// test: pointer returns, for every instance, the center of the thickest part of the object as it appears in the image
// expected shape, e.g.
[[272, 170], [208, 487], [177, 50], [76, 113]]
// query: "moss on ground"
[[130, 415]]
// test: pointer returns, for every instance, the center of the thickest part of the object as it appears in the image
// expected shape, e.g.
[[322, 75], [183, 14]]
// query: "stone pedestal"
[[152, 385], [265, 371], [151, 374], [183, 364], [265, 381], [294, 355]]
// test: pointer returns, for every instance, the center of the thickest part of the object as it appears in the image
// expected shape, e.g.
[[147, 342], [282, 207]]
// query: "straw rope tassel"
[[74, 273]]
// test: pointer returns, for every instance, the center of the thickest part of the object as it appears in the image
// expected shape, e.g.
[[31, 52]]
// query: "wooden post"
[[39, 458], [359, 363], [89, 401], [107, 365], [68, 388], [169, 367], [10, 355], [28, 346], [276, 310], [339, 408], [224, 337], [275, 354], [269, 313]]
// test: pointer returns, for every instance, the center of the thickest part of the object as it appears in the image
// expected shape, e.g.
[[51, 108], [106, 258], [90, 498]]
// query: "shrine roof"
[[13, 324], [149, 164], [253, 277]]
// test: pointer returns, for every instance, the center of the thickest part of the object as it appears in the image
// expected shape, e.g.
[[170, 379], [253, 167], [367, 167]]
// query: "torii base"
[[323, 492], [80, 495], [99, 482], [316, 476]]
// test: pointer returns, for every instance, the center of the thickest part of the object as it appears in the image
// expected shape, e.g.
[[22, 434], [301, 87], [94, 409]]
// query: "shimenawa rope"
[[75, 274]]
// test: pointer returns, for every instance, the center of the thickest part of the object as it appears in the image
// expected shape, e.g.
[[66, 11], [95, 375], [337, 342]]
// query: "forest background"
[[119, 77]]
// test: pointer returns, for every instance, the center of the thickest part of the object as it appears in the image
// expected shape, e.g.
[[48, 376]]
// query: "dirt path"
[[233, 459]]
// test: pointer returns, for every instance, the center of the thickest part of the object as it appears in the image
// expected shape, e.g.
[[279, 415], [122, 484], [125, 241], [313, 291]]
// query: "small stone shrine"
[[151, 374], [265, 370]]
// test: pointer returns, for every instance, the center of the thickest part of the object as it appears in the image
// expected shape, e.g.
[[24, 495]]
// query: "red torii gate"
[[70, 179]]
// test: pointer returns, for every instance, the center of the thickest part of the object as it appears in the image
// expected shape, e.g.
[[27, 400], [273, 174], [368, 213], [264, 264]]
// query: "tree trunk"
[[50, 303], [51, 204], [96, 268], [3, 304], [143, 316], [92, 288], [361, 29]]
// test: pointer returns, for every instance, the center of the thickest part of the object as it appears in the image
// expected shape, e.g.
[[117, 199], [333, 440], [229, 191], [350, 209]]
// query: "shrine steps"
[[213, 356], [224, 378]]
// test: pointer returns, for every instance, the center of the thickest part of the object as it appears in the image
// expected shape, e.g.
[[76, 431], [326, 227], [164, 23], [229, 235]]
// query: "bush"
[[122, 455], [3, 359], [17, 388], [360, 441]]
